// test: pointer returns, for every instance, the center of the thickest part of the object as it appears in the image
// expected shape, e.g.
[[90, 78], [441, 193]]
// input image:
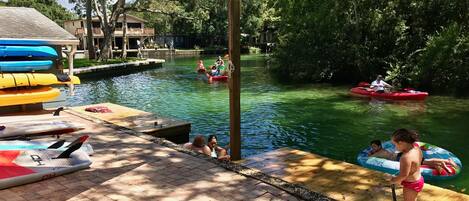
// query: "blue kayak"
[[27, 51], [25, 66]]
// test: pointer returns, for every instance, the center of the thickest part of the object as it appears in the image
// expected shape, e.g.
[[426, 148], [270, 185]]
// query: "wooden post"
[[71, 55], [234, 81]]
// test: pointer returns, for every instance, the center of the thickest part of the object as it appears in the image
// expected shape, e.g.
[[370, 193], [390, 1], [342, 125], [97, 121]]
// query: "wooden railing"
[[118, 31]]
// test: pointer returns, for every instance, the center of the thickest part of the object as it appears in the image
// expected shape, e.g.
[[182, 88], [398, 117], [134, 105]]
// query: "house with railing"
[[136, 30]]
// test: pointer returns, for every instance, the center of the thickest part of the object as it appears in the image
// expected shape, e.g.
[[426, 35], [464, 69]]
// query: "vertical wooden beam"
[[234, 81], [71, 56]]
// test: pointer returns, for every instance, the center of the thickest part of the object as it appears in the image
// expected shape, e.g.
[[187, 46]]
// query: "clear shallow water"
[[321, 119]]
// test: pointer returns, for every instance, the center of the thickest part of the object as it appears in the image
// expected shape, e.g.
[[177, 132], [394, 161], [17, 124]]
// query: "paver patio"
[[126, 167]]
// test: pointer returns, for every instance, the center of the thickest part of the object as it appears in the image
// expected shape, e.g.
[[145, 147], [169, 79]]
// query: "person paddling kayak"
[[379, 84]]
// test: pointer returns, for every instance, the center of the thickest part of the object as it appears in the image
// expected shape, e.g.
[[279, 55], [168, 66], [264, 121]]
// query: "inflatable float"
[[9, 80], [27, 96], [27, 51], [19, 167], [429, 151], [363, 90]]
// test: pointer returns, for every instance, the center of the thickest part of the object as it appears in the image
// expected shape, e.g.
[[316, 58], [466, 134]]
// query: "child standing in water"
[[409, 173]]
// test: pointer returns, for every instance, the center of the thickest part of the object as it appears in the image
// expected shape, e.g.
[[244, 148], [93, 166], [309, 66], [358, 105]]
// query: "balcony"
[[119, 32]]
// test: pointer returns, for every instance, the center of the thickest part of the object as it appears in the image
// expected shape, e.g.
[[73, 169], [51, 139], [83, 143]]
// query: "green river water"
[[321, 119]]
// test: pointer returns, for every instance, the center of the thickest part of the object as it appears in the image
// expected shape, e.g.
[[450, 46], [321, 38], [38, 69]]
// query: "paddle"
[[393, 188]]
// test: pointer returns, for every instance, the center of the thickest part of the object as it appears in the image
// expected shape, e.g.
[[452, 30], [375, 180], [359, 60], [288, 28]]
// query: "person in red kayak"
[[379, 84], [200, 67]]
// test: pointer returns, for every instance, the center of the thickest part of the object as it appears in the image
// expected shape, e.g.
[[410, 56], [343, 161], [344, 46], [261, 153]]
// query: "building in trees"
[[136, 30]]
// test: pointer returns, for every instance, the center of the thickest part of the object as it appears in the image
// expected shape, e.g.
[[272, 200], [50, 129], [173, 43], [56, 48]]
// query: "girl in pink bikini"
[[409, 175]]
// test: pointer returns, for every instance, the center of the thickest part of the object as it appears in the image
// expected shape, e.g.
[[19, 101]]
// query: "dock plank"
[[140, 121], [336, 179]]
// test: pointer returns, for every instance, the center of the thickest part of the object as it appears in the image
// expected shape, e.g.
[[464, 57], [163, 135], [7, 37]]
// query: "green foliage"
[[349, 41], [202, 17], [443, 64], [49, 8]]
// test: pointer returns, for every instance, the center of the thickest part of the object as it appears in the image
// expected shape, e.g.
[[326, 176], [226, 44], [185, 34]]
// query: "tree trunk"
[[124, 37], [89, 32], [108, 25], [106, 50]]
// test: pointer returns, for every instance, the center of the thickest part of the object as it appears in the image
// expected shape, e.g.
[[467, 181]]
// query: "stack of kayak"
[[428, 172], [25, 74], [24, 161], [363, 90]]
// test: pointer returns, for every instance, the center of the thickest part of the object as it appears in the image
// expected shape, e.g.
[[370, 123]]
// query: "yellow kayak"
[[9, 80], [27, 96]]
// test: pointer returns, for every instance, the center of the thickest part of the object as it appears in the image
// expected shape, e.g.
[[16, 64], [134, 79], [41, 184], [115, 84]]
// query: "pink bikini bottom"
[[414, 185]]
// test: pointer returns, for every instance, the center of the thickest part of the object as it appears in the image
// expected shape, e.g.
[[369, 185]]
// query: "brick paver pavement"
[[126, 167]]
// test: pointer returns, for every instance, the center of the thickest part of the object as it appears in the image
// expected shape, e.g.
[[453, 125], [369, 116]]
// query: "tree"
[[124, 37], [84, 8], [108, 20], [89, 31], [415, 43], [49, 8]]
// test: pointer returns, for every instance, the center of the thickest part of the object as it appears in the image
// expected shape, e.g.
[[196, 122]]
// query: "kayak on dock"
[[27, 51], [19, 167], [25, 66], [61, 145], [11, 80], [408, 94], [429, 152], [41, 94]]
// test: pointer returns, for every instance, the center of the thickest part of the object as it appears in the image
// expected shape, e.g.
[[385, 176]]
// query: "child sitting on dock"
[[378, 151], [198, 145], [215, 150], [409, 173]]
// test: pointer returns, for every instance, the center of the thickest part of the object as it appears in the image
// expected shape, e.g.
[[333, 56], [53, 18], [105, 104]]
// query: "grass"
[[80, 63]]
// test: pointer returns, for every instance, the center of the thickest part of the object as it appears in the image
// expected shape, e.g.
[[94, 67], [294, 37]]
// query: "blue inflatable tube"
[[429, 151]]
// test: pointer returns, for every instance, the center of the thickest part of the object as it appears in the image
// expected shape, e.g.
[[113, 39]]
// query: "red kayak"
[[404, 95], [219, 78]]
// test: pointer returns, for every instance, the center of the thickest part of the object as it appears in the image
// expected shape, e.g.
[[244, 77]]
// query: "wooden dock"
[[336, 179], [120, 67], [176, 131]]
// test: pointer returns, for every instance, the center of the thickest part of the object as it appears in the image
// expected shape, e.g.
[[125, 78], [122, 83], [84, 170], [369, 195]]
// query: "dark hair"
[[376, 142], [210, 137], [199, 141], [405, 135]]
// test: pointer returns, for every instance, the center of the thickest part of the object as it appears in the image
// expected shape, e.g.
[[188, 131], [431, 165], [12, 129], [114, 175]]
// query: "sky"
[[65, 4]]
